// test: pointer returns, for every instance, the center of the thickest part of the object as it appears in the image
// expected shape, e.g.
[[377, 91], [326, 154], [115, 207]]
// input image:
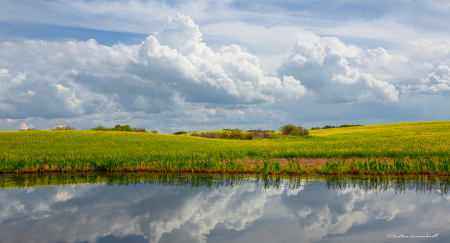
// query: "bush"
[[179, 133], [122, 128], [208, 135], [138, 129], [345, 125], [299, 131], [248, 136], [288, 129], [224, 135], [101, 128], [227, 134], [236, 134], [154, 131], [260, 133], [293, 130], [118, 128]]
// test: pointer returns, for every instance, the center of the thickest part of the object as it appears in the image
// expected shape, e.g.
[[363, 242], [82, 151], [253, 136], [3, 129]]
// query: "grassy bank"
[[400, 148]]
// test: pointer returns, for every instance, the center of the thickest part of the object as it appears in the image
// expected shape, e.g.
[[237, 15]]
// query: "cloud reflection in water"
[[245, 213]]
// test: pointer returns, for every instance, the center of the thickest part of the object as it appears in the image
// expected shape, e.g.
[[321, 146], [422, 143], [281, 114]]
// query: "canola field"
[[422, 147]]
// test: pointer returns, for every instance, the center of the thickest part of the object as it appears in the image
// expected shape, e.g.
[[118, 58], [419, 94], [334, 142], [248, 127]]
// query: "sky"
[[207, 65]]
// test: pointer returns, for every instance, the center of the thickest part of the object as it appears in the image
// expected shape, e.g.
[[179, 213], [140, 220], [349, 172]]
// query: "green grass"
[[409, 143]]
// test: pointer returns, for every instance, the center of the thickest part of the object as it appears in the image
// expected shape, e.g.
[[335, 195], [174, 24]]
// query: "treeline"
[[117, 128], [223, 134], [250, 134], [329, 126]]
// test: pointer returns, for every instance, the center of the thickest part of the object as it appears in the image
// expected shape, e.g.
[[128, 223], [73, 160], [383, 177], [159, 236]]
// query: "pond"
[[151, 207]]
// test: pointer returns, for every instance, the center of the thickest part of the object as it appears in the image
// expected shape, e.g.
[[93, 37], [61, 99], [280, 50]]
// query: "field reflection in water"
[[151, 207]]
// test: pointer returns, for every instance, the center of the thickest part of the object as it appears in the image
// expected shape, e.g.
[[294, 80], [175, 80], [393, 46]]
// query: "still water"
[[222, 208]]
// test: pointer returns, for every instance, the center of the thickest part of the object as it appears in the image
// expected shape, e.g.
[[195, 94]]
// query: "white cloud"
[[430, 49], [24, 126], [266, 42], [380, 57], [65, 193], [79, 78], [306, 214], [174, 79], [385, 29], [392, 68], [324, 71], [196, 212], [437, 83]]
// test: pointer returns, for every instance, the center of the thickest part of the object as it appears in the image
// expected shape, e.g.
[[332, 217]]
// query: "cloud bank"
[[174, 78], [54, 80]]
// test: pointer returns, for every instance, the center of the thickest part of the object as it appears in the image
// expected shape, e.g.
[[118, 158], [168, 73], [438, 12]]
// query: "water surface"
[[222, 208]]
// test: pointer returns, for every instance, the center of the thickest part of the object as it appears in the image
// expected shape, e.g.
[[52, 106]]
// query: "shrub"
[[122, 128], [227, 134], [299, 131], [118, 127], [288, 129], [345, 125], [179, 133], [100, 128], [154, 131], [248, 136], [208, 135], [236, 134], [138, 129], [224, 135], [260, 133], [293, 130]]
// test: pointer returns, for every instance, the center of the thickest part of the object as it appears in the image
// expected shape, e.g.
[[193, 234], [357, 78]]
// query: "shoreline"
[[420, 183], [289, 166]]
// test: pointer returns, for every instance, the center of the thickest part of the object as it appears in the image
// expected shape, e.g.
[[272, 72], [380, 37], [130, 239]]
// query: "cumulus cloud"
[[437, 83], [23, 126], [325, 72], [266, 42], [382, 65], [174, 79], [47, 79]]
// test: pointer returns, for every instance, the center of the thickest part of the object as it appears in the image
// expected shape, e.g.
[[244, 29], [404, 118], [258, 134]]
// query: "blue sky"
[[200, 65]]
